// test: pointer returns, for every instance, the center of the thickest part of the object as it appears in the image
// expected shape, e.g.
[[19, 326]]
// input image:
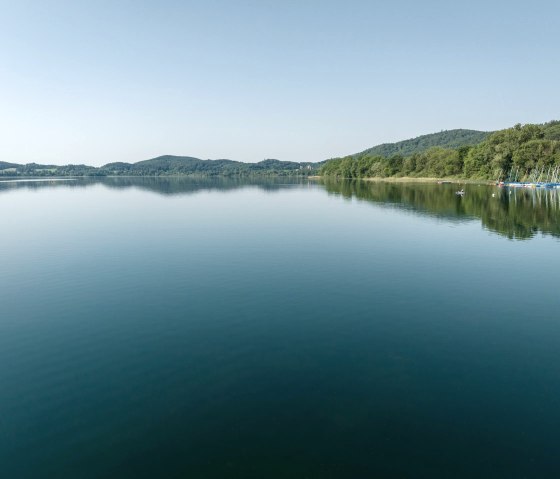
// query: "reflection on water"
[[163, 185], [514, 213]]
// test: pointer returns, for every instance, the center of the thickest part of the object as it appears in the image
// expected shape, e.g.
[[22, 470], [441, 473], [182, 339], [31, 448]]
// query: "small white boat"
[[460, 192]]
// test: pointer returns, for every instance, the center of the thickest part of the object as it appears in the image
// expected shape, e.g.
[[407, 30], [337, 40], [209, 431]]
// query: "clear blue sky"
[[100, 81]]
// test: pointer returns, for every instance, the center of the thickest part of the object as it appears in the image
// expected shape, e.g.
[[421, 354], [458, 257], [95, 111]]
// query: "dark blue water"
[[221, 328]]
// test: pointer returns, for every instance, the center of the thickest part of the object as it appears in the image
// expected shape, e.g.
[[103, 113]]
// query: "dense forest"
[[521, 149]]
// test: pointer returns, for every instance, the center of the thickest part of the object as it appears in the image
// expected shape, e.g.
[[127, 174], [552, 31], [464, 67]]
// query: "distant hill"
[[187, 165], [444, 139], [167, 165]]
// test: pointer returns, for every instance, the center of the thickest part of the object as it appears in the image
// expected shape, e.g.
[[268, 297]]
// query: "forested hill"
[[520, 152], [186, 165], [167, 165], [444, 139]]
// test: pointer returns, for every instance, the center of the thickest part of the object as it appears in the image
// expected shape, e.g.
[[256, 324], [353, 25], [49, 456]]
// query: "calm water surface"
[[229, 329]]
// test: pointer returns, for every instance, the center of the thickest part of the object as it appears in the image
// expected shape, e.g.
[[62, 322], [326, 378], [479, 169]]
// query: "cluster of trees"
[[521, 148]]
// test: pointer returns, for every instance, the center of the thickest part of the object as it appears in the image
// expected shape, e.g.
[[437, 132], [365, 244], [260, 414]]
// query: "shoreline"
[[390, 179], [411, 179]]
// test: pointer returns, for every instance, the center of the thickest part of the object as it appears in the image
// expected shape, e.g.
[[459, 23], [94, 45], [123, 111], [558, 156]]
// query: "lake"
[[223, 328]]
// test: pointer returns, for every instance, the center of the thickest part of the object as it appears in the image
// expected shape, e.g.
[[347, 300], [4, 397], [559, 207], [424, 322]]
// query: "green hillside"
[[522, 151], [444, 139]]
